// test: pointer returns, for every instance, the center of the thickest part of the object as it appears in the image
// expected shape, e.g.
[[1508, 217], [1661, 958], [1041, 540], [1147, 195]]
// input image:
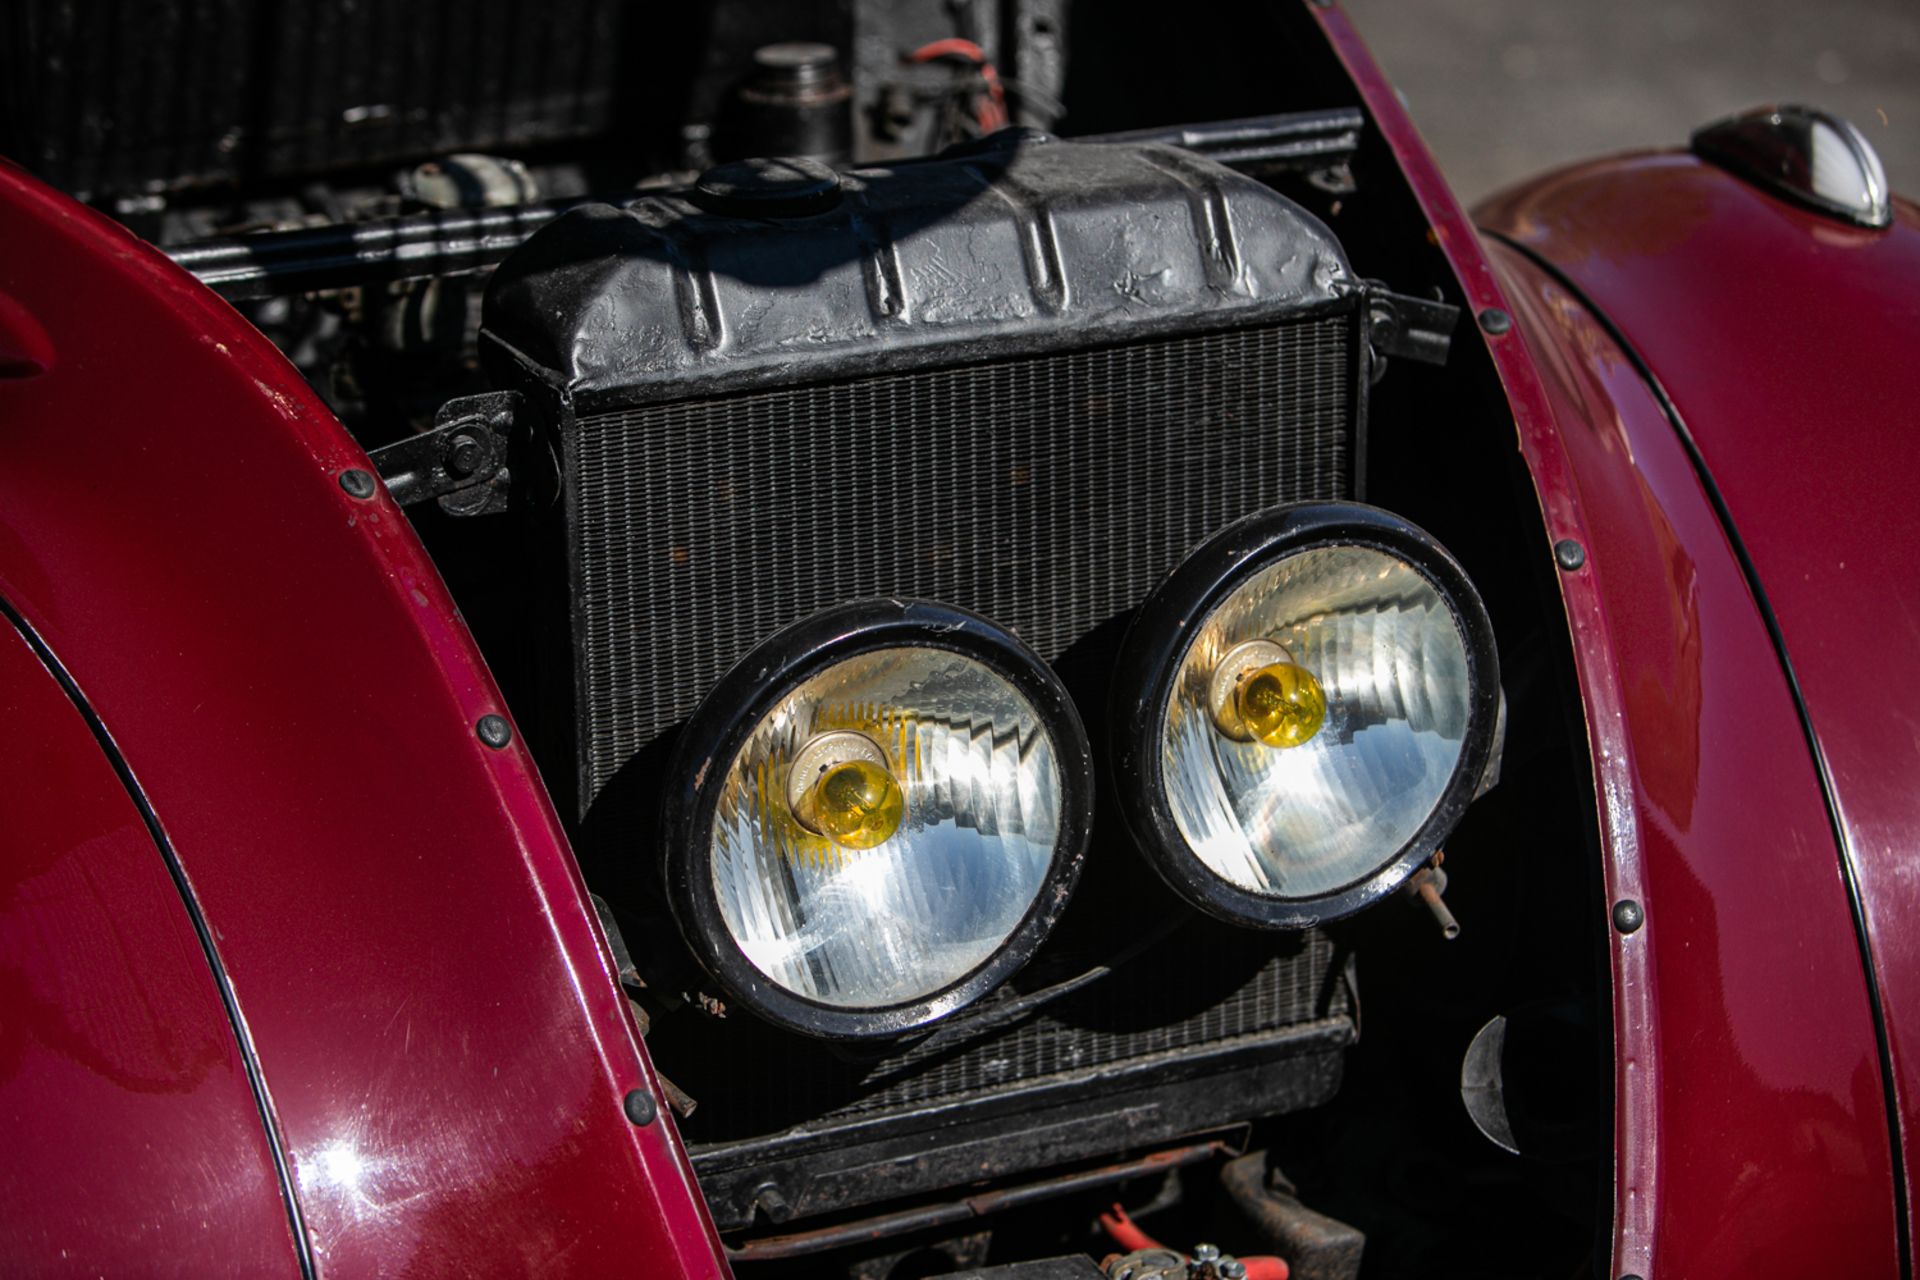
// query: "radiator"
[[1025, 379], [1049, 493]]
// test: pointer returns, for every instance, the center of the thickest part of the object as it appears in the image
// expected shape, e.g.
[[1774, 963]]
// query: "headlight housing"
[[876, 817], [1305, 707]]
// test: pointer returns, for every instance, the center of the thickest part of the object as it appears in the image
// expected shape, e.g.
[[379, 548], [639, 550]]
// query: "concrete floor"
[[1504, 88]]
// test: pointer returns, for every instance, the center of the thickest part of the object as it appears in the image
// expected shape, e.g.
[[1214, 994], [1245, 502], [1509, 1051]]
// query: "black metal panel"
[[1256, 1029], [1048, 493], [1022, 1128], [1081, 1268], [1267, 1015]]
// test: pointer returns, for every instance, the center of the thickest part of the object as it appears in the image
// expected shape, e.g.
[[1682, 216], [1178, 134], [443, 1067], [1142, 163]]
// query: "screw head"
[[357, 483], [1628, 915], [1568, 554], [1495, 321], [639, 1106], [494, 731]]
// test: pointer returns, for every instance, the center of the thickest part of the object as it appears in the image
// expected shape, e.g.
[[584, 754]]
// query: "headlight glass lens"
[[1315, 721], [886, 827]]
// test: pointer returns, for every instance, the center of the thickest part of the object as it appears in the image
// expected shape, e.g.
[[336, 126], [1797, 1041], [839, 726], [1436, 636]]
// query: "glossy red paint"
[[133, 1144], [1770, 1111], [418, 967], [1786, 343], [1746, 1089]]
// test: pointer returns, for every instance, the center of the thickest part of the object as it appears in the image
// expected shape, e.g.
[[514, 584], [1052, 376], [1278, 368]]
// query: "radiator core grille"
[[1048, 492], [1106, 1026], [1252, 984]]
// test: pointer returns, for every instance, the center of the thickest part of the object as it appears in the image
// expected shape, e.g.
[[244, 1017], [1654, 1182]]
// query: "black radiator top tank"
[[781, 271]]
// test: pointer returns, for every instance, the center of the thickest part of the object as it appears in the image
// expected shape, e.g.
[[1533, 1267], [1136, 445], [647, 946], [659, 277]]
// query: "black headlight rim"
[[1158, 641], [719, 727]]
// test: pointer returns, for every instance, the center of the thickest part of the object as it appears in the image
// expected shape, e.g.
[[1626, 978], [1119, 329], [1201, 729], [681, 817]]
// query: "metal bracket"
[[462, 462], [1420, 329]]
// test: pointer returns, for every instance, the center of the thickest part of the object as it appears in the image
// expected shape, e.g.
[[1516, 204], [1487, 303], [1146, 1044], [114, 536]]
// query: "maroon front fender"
[[132, 1133], [1747, 1079], [390, 903], [1750, 1122], [1784, 344]]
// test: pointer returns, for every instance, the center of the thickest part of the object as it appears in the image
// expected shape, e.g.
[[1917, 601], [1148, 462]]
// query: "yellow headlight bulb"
[[1282, 704], [1260, 694], [841, 786]]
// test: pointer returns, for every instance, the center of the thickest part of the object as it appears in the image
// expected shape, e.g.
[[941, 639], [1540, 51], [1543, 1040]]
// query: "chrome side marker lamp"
[[1811, 157]]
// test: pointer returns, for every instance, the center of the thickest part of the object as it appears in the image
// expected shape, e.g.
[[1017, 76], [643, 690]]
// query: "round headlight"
[[1307, 703], [876, 817]]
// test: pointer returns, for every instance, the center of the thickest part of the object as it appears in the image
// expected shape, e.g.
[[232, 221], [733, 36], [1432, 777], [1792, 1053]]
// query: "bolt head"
[[494, 731], [1628, 915], [464, 457], [1568, 554], [1495, 321], [357, 483], [639, 1106]]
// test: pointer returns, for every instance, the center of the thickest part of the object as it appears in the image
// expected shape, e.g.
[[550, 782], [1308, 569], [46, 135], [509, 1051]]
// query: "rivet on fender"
[[357, 483], [1495, 321], [640, 1108], [1628, 915], [1568, 554], [494, 731]]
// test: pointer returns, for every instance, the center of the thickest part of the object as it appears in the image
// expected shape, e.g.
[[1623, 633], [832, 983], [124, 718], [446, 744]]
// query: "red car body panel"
[[419, 973], [1786, 343], [1767, 1099], [1748, 1095], [118, 1067]]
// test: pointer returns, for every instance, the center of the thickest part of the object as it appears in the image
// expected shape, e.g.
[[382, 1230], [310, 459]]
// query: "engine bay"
[[677, 333]]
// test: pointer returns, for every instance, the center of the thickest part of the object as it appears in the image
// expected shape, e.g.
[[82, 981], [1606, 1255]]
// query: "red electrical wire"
[[1131, 1238], [1124, 1232], [990, 114]]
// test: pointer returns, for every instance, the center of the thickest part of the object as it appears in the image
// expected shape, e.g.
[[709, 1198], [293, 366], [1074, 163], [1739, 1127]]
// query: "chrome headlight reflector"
[[1306, 706], [876, 817]]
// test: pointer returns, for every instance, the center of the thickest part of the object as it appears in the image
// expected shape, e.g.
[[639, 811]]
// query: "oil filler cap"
[[779, 187]]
